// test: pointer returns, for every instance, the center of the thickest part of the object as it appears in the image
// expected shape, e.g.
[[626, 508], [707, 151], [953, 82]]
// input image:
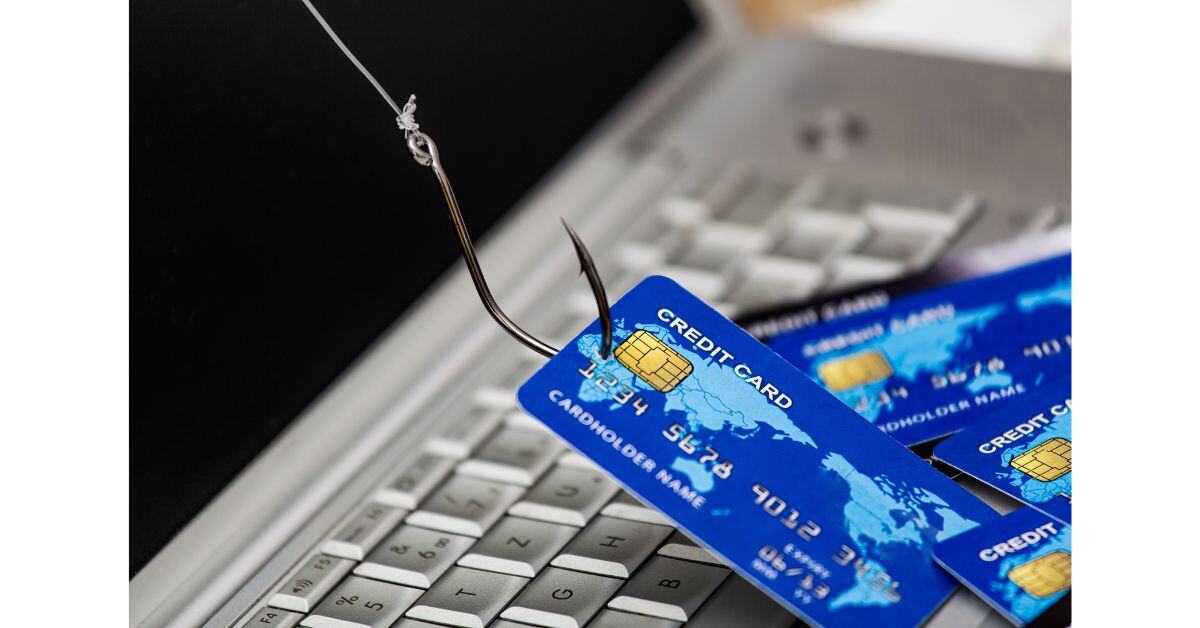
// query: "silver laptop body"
[[754, 171]]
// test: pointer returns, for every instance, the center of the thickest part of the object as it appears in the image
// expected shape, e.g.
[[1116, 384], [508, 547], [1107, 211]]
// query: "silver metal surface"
[[465, 505], [414, 557], [611, 547], [562, 599], [467, 598], [310, 583], [669, 588], [362, 531], [362, 602], [515, 456], [609, 618], [415, 480], [516, 546], [566, 495], [462, 434]]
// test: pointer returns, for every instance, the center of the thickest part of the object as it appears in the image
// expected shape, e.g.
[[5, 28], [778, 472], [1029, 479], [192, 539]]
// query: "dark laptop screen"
[[278, 224]]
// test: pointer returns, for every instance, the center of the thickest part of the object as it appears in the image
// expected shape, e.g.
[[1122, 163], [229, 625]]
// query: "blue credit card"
[[1023, 450], [1020, 563], [932, 363], [755, 461]]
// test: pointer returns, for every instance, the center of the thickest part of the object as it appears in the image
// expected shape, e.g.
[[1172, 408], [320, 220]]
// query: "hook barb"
[[588, 267]]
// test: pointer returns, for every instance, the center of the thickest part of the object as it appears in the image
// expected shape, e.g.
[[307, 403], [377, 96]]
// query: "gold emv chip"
[[653, 361], [853, 371], [1049, 461], [1044, 575]]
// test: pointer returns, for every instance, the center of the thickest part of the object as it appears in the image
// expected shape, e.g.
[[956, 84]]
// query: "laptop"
[[754, 171]]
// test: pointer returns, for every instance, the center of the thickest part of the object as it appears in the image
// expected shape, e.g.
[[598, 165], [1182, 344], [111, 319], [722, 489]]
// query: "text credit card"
[[932, 363], [1019, 563], [1023, 450], [755, 461]]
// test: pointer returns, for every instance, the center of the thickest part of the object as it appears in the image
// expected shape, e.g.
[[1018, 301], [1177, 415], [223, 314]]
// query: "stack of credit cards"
[[930, 363], [789, 486], [760, 452]]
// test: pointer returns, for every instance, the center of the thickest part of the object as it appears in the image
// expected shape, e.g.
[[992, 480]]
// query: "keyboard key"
[[523, 421], [626, 506], [362, 531], [636, 257], [562, 599], [577, 461], [609, 618], [466, 505], [464, 433], [513, 455], [669, 588], [414, 556], [716, 245], [682, 211], [359, 602], [854, 270], [817, 235], [517, 546], [759, 203], [566, 495], [681, 547], [764, 280], [467, 598], [273, 617], [611, 547], [941, 223], [913, 250], [310, 583], [496, 397], [415, 481], [739, 603]]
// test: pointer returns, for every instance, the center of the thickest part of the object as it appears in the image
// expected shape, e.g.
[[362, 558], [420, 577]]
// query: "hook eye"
[[422, 148]]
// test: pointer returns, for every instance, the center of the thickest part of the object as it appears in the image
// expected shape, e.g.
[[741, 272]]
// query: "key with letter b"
[[669, 588]]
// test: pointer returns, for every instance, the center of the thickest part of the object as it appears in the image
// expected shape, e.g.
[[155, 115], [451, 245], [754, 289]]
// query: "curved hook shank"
[[424, 151]]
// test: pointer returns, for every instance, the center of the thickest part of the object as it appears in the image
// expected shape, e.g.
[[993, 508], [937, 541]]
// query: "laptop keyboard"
[[493, 522]]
